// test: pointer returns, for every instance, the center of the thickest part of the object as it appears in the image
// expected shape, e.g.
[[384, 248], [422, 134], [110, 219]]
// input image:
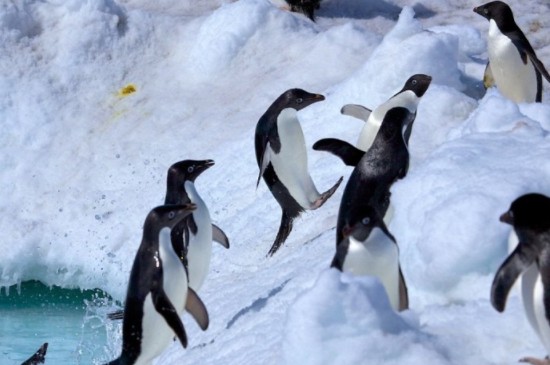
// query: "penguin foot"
[[327, 194], [535, 361]]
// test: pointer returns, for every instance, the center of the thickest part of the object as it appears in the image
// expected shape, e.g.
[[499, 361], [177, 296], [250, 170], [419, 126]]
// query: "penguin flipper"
[[356, 111], [284, 231], [513, 266], [196, 308], [526, 51], [219, 236], [166, 309], [326, 195], [116, 315], [39, 356], [348, 153], [340, 255], [264, 161], [403, 292]]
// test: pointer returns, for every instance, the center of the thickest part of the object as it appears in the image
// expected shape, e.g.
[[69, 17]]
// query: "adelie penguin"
[[513, 64], [367, 196], [368, 248], [191, 238], [282, 158], [408, 97], [530, 217], [157, 292], [39, 356], [306, 7]]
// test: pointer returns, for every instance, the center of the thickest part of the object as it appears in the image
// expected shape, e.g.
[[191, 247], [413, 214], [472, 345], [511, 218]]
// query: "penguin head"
[[365, 222], [168, 215], [418, 84], [498, 11], [187, 170], [394, 123], [297, 99], [529, 211]]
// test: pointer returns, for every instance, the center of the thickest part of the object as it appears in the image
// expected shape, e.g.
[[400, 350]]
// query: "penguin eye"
[[365, 221], [171, 215], [299, 101], [190, 168], [414, 82], [486, 11]]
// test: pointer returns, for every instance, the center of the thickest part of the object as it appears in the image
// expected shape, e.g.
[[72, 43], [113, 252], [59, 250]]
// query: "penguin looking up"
[[530, 216], [282, 158], [513, 63], [408, 97]]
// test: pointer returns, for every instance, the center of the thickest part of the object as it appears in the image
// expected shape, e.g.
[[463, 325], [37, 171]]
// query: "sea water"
[[72, 321]]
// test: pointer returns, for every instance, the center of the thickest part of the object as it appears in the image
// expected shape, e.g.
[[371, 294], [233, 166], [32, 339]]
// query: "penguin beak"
[[507, 218]]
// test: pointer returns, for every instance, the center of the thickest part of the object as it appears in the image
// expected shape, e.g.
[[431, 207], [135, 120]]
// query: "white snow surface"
[[82, 164]]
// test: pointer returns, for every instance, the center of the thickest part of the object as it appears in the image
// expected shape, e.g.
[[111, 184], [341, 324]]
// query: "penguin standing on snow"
[[157, 292], [306, 7], [516, 70], [365, 202], [282, 158], [408, 97], [193, 236], [530, 217]]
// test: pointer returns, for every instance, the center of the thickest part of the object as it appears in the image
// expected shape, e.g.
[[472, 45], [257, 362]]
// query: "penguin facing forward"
[[282, 158], [39, 356], [157, 292], [193, 236], [368, 248], [516, 70], [530, 217], [408, 97]]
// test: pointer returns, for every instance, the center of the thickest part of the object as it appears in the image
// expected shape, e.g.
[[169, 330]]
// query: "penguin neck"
[[176, 193], [287, 116]]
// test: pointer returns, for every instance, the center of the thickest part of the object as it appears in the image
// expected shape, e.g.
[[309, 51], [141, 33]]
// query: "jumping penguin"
[[282, 158], [157, 292], [529, 215], [39, 356], [408, 97], [512, 60]]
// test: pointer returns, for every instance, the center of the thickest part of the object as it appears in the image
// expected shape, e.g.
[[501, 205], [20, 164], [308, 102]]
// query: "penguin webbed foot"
[[535, 361], [326, 195]]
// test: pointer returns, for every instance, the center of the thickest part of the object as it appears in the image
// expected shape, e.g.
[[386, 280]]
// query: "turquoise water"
[[72, 321]]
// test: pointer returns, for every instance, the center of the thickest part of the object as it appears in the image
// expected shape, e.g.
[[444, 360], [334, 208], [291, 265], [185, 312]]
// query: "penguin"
[[307, 7], [157, 292], [516, 70], [282, 158], [408, 97], [39, 356], [529, 215], [367, 192], [368, 248], [193, 236]]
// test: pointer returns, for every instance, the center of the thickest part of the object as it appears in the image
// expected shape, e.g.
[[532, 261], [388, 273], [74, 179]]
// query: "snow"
[[83, 162]]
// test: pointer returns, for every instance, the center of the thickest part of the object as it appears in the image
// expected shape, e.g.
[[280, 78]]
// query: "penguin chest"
[[515, 80], [533, 295], [156, 334], [378, 256], [290, 164], [199, 250]]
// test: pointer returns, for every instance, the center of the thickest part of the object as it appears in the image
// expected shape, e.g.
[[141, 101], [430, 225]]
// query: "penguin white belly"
[[290, 164], [514, 79], [199, 251], [540, 315], [378, 256], [157, 335], [406, 99]]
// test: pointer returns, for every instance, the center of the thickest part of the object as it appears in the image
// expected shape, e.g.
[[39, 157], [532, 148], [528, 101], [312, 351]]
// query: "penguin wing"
[[357, 111], [403, 292], [340, 256], [525, 50], [544, 269], [513, 266], [219, 236], [264, 142], [348, 153], [166, 309], [196, 308]]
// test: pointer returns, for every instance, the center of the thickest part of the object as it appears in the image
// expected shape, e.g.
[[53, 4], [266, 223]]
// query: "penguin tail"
[[284, 231]]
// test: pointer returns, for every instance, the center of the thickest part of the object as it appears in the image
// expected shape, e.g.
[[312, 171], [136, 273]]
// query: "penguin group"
[[172, 262]]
